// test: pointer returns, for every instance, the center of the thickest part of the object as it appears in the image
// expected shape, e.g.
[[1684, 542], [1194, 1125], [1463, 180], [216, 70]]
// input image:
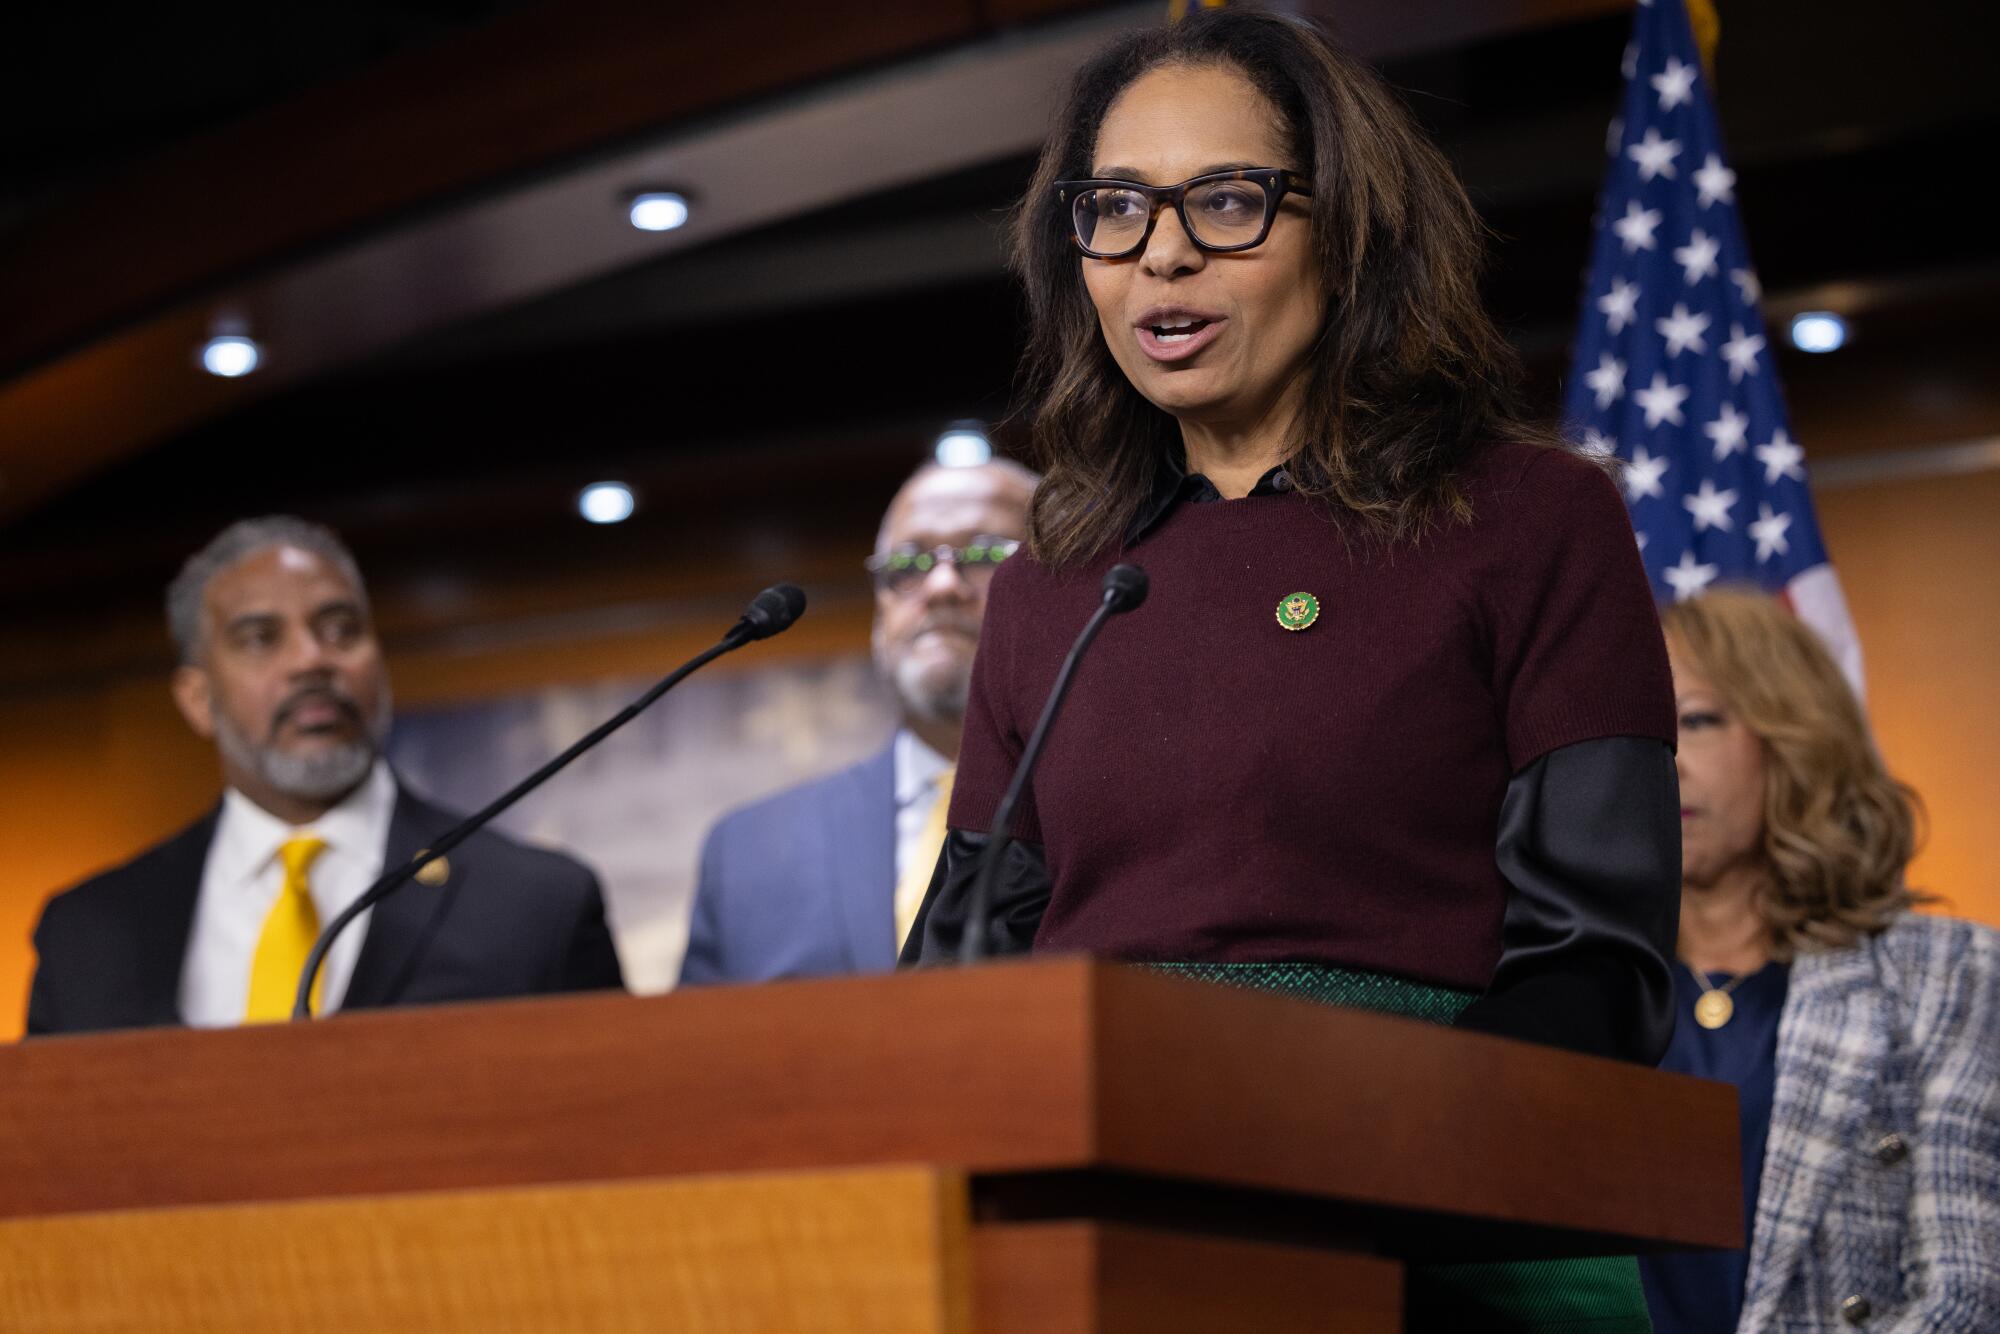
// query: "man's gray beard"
[[325, 777], [931, 704]]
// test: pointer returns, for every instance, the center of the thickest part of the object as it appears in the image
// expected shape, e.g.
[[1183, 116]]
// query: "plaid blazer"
[[1879, 1207]]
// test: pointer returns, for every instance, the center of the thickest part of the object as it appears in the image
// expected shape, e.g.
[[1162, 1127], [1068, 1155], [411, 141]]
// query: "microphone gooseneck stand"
[[770, 612], [1124, 589]]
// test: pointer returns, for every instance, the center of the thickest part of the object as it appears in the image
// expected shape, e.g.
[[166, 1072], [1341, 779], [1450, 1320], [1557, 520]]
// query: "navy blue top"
[[1702, 1293]]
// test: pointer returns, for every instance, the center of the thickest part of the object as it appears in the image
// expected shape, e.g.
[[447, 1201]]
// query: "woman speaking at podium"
[[1393, 727]]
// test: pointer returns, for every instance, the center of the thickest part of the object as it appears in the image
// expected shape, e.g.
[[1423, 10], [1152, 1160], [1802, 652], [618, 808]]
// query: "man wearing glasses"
[[825, 878]]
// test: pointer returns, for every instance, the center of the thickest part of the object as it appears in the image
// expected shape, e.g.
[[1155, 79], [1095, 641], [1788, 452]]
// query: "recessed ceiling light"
[[1818, 331], [605, 502], [231, 355], [963, 445], [658, 211]]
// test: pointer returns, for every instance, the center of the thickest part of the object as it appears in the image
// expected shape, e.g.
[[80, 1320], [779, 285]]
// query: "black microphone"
[[1124, 589], [770, 612], [773, 611]]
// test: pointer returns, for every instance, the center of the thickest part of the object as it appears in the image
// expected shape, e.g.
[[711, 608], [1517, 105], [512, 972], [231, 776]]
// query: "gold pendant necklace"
[[1714, 1008]]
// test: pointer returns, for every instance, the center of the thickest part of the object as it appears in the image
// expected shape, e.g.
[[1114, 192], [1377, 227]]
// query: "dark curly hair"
[[1409, 373]]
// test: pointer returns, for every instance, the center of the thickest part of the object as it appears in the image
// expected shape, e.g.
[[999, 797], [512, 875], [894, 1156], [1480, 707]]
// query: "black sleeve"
[[42, 1018], [591, 962], [1020, 897], [1590, 846], [41, 1007]]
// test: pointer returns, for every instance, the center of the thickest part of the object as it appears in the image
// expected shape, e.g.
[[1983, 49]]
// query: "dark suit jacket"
[[802, 884], [508, 921]]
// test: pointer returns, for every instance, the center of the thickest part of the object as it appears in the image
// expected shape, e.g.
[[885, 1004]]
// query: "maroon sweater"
[[1219, 788]]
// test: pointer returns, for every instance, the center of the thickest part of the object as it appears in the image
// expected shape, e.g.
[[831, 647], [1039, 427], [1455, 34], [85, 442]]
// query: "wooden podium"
[[1044, 1146]]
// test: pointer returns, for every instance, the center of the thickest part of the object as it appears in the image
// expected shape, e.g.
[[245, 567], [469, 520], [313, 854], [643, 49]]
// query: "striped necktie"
[[288, 935]]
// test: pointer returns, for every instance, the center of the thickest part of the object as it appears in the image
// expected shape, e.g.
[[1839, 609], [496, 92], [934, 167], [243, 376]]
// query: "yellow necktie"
[[287, 939], [915, 881]]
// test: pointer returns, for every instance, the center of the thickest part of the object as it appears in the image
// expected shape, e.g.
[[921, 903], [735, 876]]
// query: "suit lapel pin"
[[433, 873], [1297, 611]]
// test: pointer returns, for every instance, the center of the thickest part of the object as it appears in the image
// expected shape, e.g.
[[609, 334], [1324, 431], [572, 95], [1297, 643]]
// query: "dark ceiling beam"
[[1387, 31], [483, 172], [531, 89], [844, 125], [526, 91]]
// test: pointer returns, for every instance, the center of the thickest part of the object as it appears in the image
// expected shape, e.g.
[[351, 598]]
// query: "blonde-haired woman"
[[1864, 1038]]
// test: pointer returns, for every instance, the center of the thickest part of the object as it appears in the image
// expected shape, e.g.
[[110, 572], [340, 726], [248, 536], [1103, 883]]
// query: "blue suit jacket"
[[802, 884]]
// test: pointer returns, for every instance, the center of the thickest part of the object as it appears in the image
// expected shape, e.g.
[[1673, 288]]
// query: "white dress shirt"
[[918, 769], [240, 884]]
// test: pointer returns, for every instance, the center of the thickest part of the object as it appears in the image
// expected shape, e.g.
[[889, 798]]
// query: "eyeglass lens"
[[905, 567], [1220, 213]]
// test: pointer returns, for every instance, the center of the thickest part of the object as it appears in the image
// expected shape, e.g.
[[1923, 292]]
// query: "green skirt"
[[1593, 1296]]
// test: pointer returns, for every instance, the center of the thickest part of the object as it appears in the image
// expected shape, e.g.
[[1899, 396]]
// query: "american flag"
[[1673, 369]]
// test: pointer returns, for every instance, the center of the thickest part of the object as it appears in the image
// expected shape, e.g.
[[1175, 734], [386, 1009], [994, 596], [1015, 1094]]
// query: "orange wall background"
[[89, 778], [1921, 564]]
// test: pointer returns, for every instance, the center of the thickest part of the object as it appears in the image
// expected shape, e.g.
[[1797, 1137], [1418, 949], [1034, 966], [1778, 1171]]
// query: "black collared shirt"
[[1173, 485]]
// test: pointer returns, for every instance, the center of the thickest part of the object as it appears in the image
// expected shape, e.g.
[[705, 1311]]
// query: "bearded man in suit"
[[280, 669], [826, 878]]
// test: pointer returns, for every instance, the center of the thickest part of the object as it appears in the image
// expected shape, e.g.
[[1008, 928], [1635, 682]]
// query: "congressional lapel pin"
[[433, 873], [1297, 611]]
